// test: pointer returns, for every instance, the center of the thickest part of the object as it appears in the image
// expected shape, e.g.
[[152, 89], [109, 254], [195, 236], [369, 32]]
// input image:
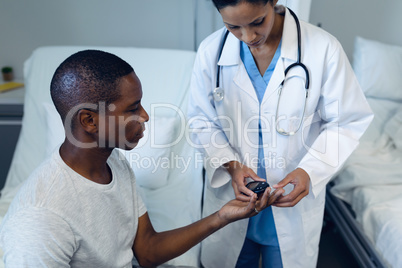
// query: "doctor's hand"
[[240, 173], [301, 182], [235, 209]]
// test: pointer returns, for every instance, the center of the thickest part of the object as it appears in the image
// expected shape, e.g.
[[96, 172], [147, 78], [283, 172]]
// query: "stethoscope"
[[218, 92]]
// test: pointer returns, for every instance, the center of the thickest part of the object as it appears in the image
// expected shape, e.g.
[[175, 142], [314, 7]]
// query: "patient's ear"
[[88, 120]]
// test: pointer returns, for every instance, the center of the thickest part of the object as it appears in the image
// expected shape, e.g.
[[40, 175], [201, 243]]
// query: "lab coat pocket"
[[312, 223]]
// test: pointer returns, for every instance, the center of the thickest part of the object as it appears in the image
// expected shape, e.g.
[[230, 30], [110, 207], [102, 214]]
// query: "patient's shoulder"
[[35, 193], [43, 179]]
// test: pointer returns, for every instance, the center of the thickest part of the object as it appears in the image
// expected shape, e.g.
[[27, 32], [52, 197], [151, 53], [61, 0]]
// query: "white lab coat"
[[336, 116]]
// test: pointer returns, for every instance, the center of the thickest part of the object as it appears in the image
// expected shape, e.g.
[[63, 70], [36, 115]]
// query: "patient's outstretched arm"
[[152, 248]]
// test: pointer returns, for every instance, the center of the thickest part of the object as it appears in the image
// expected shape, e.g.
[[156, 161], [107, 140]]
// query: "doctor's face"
[[251, 23]]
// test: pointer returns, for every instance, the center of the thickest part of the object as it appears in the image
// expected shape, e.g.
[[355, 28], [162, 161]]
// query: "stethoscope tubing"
[[220, 53], [219, 91], [298, 63]]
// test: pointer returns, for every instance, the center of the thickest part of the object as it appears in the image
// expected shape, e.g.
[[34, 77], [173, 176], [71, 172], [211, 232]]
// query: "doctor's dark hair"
[[219, 4], [89, 76]]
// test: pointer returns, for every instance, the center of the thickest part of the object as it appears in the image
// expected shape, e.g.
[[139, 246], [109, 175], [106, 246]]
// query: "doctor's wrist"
[[231, 166]]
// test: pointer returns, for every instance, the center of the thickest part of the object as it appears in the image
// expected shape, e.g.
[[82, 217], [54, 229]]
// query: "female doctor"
[[272, 99]]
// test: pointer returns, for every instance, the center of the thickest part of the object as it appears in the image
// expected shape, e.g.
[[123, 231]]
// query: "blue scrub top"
[[261, 228]]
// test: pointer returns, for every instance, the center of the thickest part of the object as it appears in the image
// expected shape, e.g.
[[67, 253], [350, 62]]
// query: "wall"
[[379, 20], [27, 24], [177, 24], [300, 7]]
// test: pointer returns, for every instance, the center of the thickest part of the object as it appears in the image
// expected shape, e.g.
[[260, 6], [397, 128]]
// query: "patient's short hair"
[[89, 76]]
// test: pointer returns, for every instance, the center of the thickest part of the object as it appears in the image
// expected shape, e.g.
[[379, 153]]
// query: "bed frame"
[[352, 233]]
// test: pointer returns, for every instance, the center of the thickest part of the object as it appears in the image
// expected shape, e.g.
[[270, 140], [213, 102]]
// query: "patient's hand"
[[239, 173], [236, 209]]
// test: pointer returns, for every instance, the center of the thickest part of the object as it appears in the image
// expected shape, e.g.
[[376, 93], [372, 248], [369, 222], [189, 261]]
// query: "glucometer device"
[[257, 186]]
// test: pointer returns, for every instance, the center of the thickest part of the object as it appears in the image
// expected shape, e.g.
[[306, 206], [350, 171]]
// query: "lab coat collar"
[[289, 38], [231, 50], [231, 56]]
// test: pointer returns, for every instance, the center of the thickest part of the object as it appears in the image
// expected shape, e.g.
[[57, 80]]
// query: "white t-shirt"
[[61, 219]]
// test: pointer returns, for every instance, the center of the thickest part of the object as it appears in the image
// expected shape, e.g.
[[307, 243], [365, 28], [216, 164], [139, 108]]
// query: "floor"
[[333, 251]]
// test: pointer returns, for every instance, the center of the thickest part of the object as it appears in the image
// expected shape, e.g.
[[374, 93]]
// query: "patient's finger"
[[252, 204], [275, 195], [269, 198], [263, 201]]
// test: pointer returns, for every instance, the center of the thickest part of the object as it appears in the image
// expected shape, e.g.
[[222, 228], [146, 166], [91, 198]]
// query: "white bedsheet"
[[379, 211], [376, 161], [371, 181]]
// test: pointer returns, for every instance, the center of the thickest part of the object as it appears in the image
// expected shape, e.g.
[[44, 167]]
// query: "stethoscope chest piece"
[[218, 94]]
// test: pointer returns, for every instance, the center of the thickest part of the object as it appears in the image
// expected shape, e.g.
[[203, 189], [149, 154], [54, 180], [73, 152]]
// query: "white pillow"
[[378, 67], [151, 159], [55, 130]]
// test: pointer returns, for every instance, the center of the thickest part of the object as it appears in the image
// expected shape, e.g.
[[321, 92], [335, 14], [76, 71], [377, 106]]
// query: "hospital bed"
[[365, 198], [167, 167]]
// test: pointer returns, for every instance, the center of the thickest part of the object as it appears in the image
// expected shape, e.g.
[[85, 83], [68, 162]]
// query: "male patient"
[[80, 208]]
